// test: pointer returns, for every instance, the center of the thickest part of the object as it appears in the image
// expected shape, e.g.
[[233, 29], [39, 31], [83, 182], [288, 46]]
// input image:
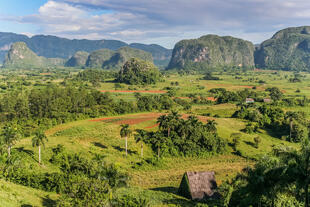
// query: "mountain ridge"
[[50, 46]]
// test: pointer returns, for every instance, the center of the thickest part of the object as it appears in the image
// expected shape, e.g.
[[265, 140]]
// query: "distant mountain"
[[212, 51], [108, 59], [20, 56], [55, 47], [124, 54], [97, 58], [79, 59], [288, 49], [160, 54]]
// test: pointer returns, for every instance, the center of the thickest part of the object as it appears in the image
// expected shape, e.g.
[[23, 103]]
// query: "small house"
[[198, 185], [249, 100], [267, 100]]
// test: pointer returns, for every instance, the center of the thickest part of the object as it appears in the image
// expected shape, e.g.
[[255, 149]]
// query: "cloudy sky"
[[164, 22]]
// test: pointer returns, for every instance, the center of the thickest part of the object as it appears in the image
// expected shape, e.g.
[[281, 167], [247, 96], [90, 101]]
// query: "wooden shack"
[[249, 100], [198, 185]]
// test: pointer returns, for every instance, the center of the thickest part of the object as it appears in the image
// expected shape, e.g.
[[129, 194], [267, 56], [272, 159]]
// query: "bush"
[[257, 141]]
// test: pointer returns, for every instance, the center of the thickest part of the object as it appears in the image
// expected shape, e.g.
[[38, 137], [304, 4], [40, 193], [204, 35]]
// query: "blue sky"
[[164, 22]]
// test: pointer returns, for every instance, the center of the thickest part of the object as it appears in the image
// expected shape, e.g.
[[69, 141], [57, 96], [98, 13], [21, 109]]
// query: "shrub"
[[257, 141]]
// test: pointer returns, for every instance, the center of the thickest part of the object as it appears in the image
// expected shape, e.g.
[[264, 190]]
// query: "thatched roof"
[[199, 185]]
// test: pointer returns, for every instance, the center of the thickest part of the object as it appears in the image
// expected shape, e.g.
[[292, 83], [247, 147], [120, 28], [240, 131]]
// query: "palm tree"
[[162, 121], [125, 132], [38, 140], [211, 125], [290, 116], [141, 136], [159, 141], [10, 135], [168, 122], [172, 122], [297, 167]]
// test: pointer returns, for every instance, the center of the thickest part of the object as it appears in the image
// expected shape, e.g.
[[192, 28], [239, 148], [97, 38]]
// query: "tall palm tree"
[[141, 137], [125, 132], [162, 121], [291, 116], [38, 140], [159, 141], [211, 125], [10, 136]]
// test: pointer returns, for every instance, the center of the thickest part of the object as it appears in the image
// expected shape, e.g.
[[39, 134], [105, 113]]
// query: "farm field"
[[192, 84], [158, 180], [101, 136]]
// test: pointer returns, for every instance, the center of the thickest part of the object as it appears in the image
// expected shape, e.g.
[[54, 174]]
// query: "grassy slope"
[[12, 195]]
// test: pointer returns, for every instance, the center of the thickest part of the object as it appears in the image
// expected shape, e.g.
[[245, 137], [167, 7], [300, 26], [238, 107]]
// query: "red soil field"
[[101, 119], [140, 118], [134, 121], [133, 91], [208, 98], [150, 127]]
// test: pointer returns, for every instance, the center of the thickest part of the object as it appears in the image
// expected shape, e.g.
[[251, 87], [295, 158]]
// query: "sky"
[[163, 22]]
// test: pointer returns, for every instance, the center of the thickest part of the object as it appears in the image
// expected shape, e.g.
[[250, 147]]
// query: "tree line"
[[179, 137]]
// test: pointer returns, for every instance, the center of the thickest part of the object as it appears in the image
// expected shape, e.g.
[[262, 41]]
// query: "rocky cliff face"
[[212, 51], [288, 49], [20, 56]]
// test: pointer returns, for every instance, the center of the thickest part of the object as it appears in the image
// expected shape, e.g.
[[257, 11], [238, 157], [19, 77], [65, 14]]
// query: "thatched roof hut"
[[198, 185]]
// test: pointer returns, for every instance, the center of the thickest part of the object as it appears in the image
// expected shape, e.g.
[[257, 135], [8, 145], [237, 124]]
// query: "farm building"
[[267, 100], [198, 185], [249, 100]]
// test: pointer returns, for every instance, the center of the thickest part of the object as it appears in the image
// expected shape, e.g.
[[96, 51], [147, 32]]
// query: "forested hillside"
[[212, 51], [288, 49]]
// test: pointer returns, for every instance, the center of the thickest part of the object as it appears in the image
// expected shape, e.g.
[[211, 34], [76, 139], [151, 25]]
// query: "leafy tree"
[[250, 128], [236, 140], [38, 140], [209, 76], [275, 93], [125, 132]]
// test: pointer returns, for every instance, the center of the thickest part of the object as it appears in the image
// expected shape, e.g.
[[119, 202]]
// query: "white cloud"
[[167, 21]]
